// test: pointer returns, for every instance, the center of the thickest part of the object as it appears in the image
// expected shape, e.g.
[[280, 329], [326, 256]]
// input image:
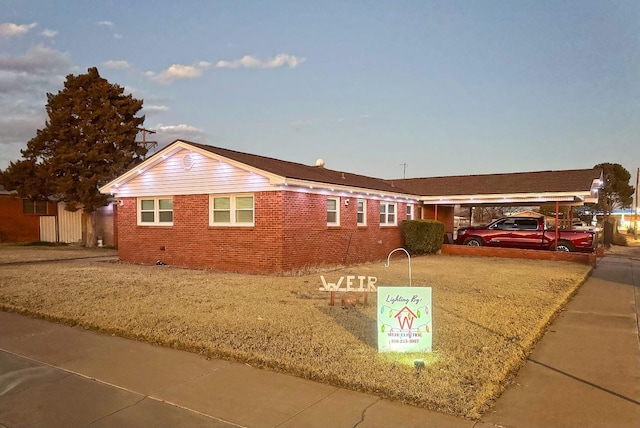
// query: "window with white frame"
[[409, 211], [155, 211], [362, 212], [387, 213], [231, 210], [333, 211]]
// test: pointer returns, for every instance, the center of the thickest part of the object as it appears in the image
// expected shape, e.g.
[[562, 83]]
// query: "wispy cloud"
[[116, 64], [299, 125], [37, 60], [151, 109], [179, 72], [111, 26], [249, 61], [168, 133], [176, 129], [9, 29], [49, 33]]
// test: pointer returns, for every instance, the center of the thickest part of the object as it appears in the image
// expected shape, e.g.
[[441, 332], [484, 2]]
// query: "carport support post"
[[570, 217], [635, 207], [557, 221]]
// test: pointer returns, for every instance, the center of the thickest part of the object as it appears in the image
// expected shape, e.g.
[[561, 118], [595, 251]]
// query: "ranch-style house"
[[200, 206]]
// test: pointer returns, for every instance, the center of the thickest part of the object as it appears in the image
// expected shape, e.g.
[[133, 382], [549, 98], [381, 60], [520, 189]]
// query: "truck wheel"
[[473, 242], [564, 246]]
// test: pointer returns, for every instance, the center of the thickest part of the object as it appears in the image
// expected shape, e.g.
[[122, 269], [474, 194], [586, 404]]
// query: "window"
[[232, 210], [155, 211], [387, 214], [362, 212], [527, 224], [333, 213], [409, 211], [30, 206]]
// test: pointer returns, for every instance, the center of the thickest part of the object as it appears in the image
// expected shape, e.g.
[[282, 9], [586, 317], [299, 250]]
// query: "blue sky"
[[447, 87]]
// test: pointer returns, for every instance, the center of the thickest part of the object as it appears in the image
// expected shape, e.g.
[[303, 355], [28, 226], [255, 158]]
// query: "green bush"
[[422, 236]]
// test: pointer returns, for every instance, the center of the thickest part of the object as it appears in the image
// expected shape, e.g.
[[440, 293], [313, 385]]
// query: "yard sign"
[[404, 319]]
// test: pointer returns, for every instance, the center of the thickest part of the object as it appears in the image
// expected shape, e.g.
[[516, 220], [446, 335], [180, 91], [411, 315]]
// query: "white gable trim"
[[175, 147]]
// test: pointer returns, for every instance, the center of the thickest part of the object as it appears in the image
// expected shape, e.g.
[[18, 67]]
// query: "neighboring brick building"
[[20, 218], [25, 220], [199, 206]]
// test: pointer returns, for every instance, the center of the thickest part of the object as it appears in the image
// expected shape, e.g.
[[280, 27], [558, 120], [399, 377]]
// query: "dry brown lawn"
[[487, 316], [15, 253]]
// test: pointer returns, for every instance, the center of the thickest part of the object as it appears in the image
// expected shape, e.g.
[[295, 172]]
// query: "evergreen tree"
[[616, 192], [88, 140]]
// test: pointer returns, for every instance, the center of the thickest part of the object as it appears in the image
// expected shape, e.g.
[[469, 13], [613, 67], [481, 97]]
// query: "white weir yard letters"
[[350, 285]]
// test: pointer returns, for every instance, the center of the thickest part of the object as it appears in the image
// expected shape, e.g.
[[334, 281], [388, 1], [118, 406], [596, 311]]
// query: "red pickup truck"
[[528, 233]]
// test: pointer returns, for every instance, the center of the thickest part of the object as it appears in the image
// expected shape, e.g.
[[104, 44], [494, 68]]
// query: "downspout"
[[435, 212]]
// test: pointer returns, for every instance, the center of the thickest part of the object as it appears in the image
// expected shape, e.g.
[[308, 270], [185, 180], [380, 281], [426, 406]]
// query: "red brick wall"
[[290, 232], [308, 241], [16, 226], [192, 242], [516, 253]]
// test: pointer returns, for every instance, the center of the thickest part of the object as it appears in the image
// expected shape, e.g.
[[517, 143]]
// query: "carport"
[[439, 195]]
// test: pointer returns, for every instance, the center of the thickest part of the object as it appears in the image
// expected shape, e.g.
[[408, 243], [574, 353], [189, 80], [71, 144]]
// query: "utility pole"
[[147, 144], [404, 169]]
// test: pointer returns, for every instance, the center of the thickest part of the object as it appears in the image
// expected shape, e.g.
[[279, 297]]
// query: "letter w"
[[404, 321], [330, 286]]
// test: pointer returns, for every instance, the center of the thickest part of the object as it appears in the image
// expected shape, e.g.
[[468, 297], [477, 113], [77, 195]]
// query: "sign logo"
[[404, 319]]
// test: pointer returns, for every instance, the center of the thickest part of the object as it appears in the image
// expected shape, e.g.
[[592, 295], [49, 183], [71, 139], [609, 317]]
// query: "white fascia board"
[[336, 188], [506, 198]]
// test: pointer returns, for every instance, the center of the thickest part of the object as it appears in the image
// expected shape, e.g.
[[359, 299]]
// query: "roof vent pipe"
[[320, 163]]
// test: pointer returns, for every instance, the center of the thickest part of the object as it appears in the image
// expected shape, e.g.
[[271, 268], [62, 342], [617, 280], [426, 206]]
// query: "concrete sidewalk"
[[55, 375], [584, 372]]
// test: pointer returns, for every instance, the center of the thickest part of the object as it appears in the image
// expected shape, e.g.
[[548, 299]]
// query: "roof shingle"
[[303, 172], [575, 180]]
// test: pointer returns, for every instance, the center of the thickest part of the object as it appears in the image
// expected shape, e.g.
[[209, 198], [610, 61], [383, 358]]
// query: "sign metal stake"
[[408, 256]]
